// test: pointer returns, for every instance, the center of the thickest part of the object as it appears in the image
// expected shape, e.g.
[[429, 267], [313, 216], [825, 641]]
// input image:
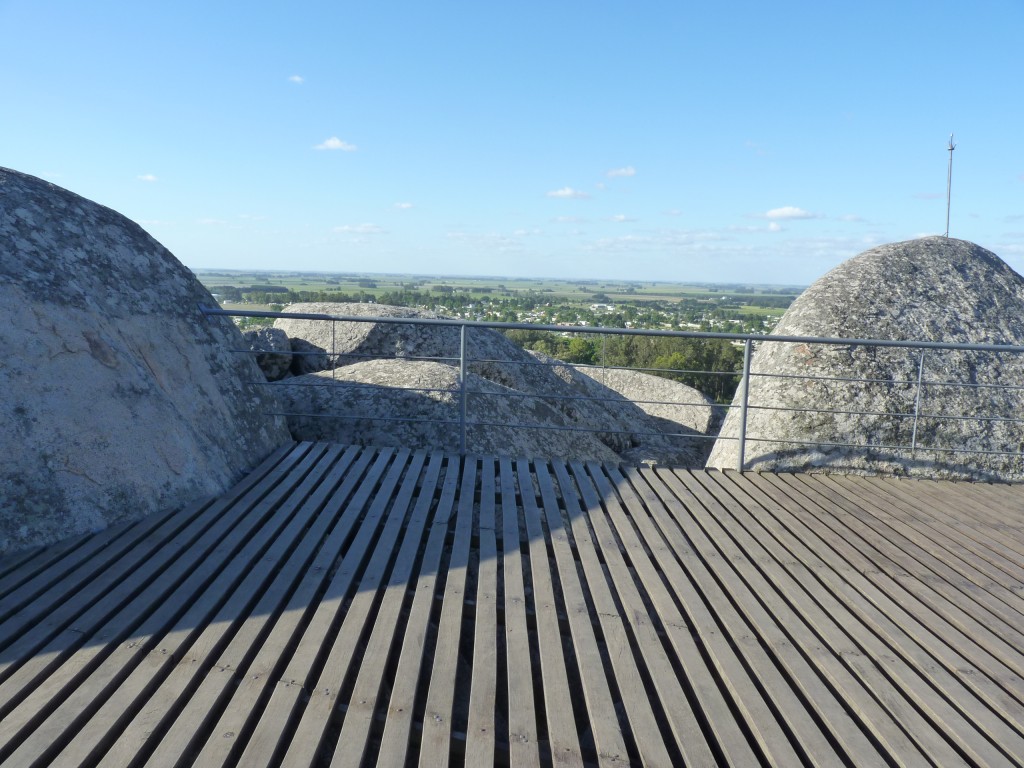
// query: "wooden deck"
[[347, 606]]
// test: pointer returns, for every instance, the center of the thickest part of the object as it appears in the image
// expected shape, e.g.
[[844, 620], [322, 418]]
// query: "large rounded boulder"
[[119, 397], [520, 404], [865, 409]]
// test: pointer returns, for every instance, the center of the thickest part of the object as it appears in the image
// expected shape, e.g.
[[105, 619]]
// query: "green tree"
[[582, 351]]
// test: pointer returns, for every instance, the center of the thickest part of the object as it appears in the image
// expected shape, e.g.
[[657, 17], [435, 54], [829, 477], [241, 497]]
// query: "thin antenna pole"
[[949, 181]]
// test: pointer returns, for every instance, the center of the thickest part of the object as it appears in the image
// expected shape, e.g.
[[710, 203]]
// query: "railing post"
[[917, 404], [744, 399], [604, 360], [462, 390]]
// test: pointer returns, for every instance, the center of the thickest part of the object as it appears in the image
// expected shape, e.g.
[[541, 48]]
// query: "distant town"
[[585, 303]]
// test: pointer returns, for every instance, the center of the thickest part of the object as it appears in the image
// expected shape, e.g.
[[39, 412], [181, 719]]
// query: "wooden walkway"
[[352, 606]]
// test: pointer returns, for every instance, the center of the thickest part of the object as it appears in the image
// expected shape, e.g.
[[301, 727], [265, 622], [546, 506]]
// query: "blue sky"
[[733, 142]]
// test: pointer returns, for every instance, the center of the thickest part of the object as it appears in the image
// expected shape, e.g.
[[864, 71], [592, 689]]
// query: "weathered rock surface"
[[662, 398], [931, 289], [415, 404], [535, 391], [272, 351], [120, 398]]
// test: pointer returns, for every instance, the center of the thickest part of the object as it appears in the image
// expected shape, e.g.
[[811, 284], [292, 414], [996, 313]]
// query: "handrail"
[[597, 329], [748, 340]]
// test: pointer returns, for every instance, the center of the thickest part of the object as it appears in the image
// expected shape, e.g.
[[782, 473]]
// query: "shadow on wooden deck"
[[350, 606]]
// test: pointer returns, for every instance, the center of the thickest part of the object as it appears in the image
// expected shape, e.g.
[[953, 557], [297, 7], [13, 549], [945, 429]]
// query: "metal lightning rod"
[[949, 181]]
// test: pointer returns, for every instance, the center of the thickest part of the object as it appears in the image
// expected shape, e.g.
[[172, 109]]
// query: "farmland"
[[621, 304]]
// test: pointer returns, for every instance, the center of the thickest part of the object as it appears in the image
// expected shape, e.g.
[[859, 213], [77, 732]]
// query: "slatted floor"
[[350, 606]]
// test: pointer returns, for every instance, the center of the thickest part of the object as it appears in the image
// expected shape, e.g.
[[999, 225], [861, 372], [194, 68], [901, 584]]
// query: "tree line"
[[712, 366]]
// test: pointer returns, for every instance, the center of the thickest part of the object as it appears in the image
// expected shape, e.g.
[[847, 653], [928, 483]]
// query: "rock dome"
[[931, 289], [373, 368], [120, 398]]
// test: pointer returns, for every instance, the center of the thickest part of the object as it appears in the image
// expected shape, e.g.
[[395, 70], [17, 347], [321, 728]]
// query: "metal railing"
[[917, 381]]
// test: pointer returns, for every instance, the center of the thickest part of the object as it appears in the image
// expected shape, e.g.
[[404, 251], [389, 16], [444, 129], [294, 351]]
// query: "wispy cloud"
[[147, 177], [790, 212], [404, 206], [335, 143], [569, 219], [756, 148], [360, 229], [568, 193], [210, 222], [620, 218], [297, 79], [629, 170], [851, 217], [773, 226], [491, 241]]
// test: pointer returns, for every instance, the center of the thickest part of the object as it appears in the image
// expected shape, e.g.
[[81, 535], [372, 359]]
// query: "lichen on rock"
[[961, 422], [120, 397]]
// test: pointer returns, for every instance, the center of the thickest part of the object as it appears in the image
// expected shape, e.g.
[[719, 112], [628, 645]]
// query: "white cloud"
[[774, 227], [360, 229], [297, 79], [147, 177], [335, 143], [404, 206], [790, 212], [851, 217], [620, 217], [489, 241], [569, 219], [568, 193], [629, 170]]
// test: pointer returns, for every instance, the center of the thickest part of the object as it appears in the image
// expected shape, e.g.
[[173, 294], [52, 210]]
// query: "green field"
[[574, 291]]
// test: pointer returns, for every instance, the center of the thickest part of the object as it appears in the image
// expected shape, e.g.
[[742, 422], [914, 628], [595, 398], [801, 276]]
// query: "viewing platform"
[[350, 606]]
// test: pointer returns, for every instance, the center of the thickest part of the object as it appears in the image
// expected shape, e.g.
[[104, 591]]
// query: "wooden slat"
[[361, 606], [287, 689], [369, 567], [522, 715], [481, 729], [942, 595], [834, 657], [370, 679], [970, 562], [173, 626], [745, 668], [906, 659], [190, 646], [563, 738], [246, 669], [123, 606], [435, 745], [397, 737], [713, 707], [59, 595], [605, 728], [984, 651]]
